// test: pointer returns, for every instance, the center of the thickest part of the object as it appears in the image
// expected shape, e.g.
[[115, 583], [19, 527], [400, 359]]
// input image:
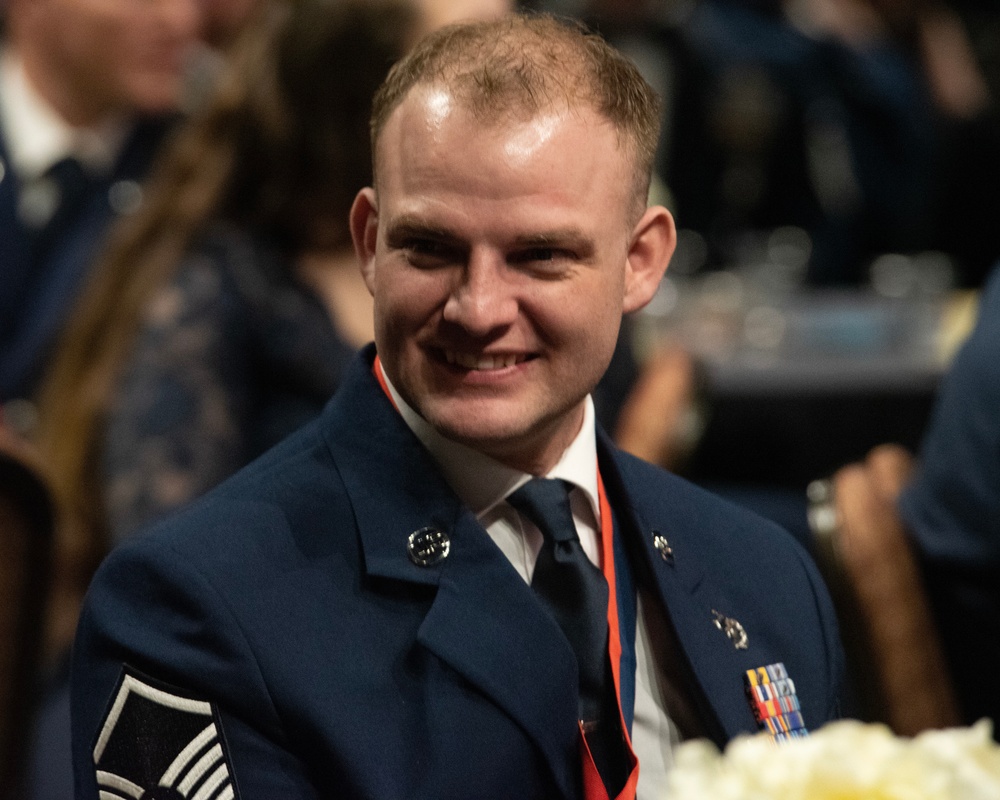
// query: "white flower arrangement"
[[843, 760]]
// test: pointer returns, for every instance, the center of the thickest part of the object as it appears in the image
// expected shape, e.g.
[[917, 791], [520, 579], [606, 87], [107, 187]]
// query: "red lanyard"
[[593, 786], [380, 377]]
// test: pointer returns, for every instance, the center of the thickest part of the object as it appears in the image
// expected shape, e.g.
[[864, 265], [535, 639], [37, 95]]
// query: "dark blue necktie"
[[572, 588], [68, 188], [575, 592], [72, 181]]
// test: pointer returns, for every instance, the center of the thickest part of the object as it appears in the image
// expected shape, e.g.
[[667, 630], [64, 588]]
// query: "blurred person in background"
[[870, 124], [222, 313], [436, 14], [951, 509], [867, 123], [88, 89]]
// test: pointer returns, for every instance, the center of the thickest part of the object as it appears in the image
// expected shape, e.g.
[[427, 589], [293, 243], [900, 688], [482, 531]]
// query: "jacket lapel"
[[484, 620], [689, 597], [486, 623]]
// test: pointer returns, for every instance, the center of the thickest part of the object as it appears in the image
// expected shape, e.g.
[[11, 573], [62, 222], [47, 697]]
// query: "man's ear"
[[653, 241], [364, 233]]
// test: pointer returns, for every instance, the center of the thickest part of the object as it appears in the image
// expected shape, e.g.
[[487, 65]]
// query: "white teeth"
[[469, 361]]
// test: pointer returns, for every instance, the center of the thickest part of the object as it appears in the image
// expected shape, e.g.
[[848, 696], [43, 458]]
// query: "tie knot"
[[69, 179], [545, 501], [67, 170]]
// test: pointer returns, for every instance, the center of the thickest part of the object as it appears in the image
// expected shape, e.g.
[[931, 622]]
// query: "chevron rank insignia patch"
[[157, 743]]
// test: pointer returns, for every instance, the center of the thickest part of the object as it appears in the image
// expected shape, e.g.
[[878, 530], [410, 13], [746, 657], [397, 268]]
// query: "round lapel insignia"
[[428, 547]]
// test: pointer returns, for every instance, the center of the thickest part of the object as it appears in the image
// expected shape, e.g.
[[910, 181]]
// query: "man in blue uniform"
[[451, 584], [951, 509], [86, 91]]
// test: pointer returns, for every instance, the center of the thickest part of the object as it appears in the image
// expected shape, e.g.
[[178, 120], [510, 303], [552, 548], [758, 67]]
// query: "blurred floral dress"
[[231, 356]]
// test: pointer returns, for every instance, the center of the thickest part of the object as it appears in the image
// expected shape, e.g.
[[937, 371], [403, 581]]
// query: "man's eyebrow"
[[559, 237], [407, 227]]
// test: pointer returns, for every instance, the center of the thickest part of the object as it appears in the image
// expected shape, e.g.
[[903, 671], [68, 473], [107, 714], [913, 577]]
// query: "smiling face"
[[501, 257]]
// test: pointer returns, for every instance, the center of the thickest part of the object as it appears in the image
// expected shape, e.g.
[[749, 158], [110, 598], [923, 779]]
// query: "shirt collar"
[[37, 136], [481, 482]]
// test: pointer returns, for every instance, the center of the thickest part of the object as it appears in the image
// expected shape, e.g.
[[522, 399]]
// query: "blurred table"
[[800, 382]]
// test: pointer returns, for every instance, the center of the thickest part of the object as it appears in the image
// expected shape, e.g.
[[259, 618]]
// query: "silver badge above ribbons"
[[734, 631]]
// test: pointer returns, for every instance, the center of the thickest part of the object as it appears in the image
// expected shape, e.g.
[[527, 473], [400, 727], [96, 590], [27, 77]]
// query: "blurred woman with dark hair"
[[224, 311]]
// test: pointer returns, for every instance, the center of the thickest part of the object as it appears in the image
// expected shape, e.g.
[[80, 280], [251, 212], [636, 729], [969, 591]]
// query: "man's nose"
[[483, 299]]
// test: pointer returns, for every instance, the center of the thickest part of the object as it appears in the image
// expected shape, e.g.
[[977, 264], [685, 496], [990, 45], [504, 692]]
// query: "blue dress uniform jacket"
[[284, 609], [951, 509]]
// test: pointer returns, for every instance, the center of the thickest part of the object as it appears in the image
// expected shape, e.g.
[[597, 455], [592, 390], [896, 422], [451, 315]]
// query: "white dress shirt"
[[37, 136], [482, 484]]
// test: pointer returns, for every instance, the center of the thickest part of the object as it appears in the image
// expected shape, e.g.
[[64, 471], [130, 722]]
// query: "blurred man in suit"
[[87, 88]]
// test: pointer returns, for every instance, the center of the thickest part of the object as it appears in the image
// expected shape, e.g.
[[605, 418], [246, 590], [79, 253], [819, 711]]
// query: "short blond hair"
[[521, 64]]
